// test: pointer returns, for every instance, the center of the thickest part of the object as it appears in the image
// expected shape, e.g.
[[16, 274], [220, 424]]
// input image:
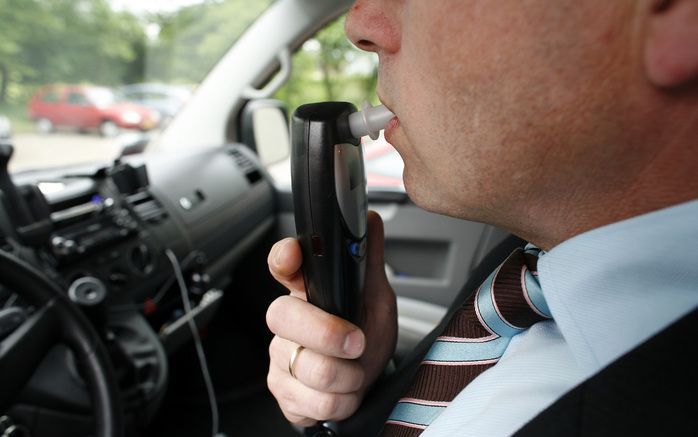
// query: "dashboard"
[[103, 235]]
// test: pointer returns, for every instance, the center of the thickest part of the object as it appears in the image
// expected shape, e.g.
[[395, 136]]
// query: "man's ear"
[[671, 45]]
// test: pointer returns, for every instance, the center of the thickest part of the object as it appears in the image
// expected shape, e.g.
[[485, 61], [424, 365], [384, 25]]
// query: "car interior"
[[133, 289]]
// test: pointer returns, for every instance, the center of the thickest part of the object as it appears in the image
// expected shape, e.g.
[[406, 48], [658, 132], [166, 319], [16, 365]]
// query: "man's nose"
[[372, 25]]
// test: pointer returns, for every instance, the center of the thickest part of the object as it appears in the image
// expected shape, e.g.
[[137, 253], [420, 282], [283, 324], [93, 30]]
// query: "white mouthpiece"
[[369, 121]]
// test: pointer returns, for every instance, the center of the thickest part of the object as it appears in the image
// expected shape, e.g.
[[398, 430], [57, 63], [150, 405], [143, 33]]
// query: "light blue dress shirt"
[[609, 290]]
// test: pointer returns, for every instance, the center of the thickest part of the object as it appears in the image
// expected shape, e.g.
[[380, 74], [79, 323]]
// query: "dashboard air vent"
[[247, 165], [148, 208]]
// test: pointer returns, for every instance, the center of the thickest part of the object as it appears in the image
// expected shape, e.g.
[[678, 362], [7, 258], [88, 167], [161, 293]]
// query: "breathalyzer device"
[[330, 201]]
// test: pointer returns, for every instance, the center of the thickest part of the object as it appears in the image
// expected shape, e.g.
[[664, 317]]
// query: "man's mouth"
[[393, 124]]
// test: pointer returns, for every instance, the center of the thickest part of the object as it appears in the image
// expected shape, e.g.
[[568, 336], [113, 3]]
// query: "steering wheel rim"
[[55, 320]]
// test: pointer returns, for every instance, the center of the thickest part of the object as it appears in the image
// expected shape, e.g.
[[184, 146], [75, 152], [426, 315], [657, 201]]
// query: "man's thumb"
[[375, 247]]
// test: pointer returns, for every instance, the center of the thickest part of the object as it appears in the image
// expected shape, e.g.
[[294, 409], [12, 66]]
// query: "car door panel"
[[429, 256]]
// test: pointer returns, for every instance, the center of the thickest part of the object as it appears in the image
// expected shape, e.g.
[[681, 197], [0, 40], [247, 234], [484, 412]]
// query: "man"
[[573, 125]]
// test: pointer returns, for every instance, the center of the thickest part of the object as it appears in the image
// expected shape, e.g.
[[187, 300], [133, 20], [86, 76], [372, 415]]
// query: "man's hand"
[[340, 360]]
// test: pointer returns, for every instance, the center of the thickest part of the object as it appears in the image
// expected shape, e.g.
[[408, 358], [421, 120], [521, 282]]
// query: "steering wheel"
[[55, 320]]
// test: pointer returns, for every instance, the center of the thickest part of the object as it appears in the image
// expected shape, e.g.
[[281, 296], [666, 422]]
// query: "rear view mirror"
[[264, 128]]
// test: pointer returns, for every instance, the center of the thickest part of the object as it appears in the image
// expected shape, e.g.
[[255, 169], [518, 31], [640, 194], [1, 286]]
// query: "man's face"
[[501, 104]]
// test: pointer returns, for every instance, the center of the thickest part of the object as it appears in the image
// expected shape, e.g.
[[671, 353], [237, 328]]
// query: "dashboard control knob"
[[89, 293], [63, 246]]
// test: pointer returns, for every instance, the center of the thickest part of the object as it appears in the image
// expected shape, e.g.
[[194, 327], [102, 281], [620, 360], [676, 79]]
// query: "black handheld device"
[[330, 204]]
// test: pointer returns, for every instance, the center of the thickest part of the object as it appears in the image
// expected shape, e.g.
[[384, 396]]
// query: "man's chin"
[[430, 198], [419, 194]]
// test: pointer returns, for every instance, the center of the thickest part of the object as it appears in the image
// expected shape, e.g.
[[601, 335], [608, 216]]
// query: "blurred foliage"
[[46, 41], [87, 41], [192, 40], [329, 67]]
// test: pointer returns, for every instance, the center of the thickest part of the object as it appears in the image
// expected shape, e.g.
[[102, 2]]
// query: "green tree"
[[194, 38], [329, 67], [45, 41]]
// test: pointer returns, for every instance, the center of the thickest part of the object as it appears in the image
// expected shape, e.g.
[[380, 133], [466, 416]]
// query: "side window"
[[75, 98], [329, 67], [50, 97]]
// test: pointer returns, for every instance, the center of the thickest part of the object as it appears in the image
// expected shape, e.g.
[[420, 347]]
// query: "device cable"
[[197, 342]]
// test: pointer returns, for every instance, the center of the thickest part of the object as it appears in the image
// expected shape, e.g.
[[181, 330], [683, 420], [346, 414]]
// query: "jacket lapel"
[[651, 390]]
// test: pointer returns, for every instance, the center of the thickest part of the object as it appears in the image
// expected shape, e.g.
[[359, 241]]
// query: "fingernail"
[[354, 343], [277, 255]]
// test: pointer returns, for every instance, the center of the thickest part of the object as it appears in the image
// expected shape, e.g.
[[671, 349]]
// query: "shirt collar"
[[612, 288]]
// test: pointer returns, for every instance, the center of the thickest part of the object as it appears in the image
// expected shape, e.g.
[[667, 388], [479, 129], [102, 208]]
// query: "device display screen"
[[350, 187], [354, 167]]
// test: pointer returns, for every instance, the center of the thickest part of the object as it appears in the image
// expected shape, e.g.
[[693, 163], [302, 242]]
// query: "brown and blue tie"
[[507, 303]]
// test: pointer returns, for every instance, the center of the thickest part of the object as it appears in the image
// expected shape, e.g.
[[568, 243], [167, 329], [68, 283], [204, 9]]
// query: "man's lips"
[[390, 128], [394, 123]]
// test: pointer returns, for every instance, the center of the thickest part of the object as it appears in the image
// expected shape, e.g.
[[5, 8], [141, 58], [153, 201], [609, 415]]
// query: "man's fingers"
[[285, 260], [320, 372], [285, 257], [297, 400], [303, 323], [299, 420], [273, 382]]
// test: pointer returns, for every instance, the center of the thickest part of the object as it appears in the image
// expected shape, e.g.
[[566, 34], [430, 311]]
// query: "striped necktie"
[[507, 303]]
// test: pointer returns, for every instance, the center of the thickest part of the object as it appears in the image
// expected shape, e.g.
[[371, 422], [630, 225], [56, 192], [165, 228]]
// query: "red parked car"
[[88, 107]]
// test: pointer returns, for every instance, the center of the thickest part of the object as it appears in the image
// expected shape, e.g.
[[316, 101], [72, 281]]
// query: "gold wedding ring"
[[292, 361]]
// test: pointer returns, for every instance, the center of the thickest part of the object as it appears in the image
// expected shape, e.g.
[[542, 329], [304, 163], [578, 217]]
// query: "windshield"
[[77, 77]]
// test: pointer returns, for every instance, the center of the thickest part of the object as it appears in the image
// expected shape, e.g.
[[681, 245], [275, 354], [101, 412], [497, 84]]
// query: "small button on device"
[[357, 249]]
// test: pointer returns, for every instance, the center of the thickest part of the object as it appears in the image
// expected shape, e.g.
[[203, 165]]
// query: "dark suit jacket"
[[650, 391]]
